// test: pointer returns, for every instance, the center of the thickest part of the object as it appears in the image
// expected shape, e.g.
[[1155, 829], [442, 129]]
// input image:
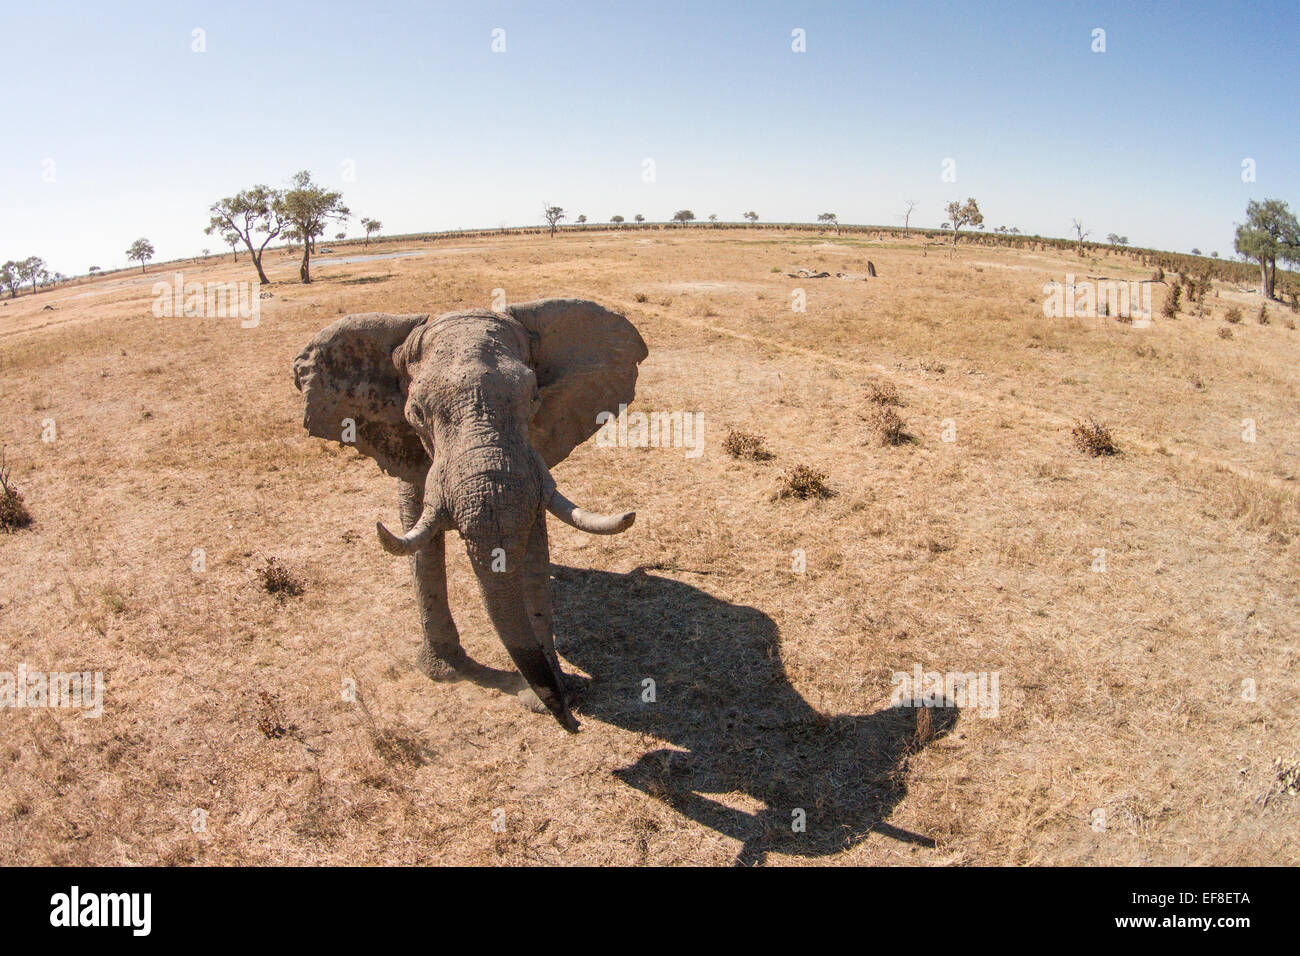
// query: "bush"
[[13, 513], [887, 426], [1262, 317], [803, 482], [883, 393], [641, 297], [1170, 309], [1234, 315], [1093, 438], [740, 444], [278, 580], [1225, 332]]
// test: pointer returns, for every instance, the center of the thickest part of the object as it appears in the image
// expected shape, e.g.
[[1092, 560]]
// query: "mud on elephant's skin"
[[470, 411], [722, 697]]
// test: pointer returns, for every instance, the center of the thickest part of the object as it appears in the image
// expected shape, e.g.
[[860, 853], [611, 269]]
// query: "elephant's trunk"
[[503, 597]]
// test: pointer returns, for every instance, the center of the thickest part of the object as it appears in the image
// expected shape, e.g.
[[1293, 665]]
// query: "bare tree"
[[907, 216], [1081, 233]]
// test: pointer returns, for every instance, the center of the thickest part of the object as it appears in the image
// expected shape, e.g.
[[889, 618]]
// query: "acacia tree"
[[907, 216], [232, 239], [1269, 233], [253, 211], [963, 214], [308, 209], [30, 270], [831, 218], [552, 215], [141, 251], [639, 218], [371, 226], [752, 217], [616, 220], [10, 278], [683, 216]]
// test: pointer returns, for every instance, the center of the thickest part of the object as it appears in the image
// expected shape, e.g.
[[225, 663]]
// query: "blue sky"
[[115, 128]]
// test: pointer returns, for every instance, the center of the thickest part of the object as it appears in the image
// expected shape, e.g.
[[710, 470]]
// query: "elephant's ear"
[[585, 358], [347, 372]]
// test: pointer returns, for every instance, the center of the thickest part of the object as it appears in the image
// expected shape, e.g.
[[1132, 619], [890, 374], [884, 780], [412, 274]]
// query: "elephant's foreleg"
[[537, 589], [440, 654]]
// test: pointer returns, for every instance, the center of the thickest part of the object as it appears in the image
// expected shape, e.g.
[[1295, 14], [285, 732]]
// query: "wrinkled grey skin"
[[471, 410]]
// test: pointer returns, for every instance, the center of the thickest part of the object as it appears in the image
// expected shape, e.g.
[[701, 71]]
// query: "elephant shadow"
[[737, 727]]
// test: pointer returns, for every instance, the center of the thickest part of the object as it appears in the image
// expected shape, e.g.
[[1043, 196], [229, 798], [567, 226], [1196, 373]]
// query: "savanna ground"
[[1125, 690]]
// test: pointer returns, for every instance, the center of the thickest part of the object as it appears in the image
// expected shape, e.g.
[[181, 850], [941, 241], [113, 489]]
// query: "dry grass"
[[771, 628]]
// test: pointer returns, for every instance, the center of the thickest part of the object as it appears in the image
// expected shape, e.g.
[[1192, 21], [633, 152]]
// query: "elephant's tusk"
[[431, 522], [588, 521]]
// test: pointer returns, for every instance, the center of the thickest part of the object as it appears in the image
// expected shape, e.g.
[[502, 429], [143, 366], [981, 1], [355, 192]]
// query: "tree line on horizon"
[[301, 214]]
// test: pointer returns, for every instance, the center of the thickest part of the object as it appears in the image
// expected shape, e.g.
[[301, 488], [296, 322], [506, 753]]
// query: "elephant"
[[470, 411]]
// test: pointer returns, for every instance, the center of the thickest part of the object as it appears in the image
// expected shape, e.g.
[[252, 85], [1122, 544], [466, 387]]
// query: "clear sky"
[[115, 128]]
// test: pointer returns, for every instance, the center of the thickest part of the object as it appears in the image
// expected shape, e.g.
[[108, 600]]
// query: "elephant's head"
[[478, 406]]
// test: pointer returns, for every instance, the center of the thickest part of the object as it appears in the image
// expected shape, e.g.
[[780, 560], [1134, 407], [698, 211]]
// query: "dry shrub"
[[740, 444], [1262, 316], [883, 393], [1172, 301], [1233, 315], [270, 720], [1225, 332], [933, 365], [886, 426], [641, 297], [13, 512], [278, 580], [804, 482], [1093, 438]]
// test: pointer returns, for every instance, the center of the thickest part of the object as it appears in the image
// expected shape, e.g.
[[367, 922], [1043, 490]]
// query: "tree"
[[341, 235], [713, 217], [967, 214], [683, 216], [308, 209], [907, 216], [1269, 233], [370, 226], [830, 217], [552, 215], [92, 270], [30, 269], [616, 220], [206, 252], [141, 251], [752, 217], [1116, 240], [639, 218], [256, 210], [1195, 251], [10, 277], [581, 219], [1081, 233]]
